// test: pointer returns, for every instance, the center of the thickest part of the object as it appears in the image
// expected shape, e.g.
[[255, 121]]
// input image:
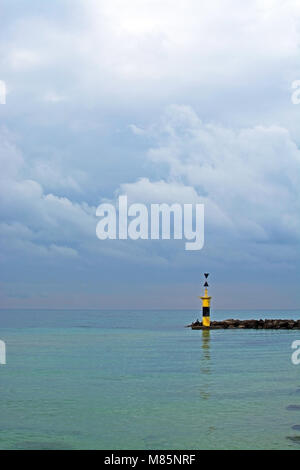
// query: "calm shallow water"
[[139, 380]]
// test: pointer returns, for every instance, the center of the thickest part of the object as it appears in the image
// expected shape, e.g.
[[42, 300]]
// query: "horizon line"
[[137, 309]]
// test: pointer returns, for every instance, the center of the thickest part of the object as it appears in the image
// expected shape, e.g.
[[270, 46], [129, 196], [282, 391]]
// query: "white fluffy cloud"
[[32, 219], [248, 179], [39, 224]]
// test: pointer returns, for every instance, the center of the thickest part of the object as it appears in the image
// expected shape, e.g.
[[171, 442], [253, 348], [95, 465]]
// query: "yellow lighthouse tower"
[[205, 304]]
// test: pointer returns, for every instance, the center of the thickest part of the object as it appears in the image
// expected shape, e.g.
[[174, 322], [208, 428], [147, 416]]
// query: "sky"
[[163, 101]]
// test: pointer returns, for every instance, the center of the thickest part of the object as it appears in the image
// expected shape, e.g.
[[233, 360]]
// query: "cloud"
[[21, 59], [88, 81], [45, 222], [248, 179], [153, 52], [54, 97], [37, 224]]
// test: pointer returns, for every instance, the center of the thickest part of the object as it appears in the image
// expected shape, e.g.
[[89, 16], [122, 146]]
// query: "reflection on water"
[[205, 365]]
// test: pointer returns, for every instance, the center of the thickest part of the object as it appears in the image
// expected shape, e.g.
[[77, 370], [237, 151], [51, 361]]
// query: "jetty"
[[231, 323], [267, 324]]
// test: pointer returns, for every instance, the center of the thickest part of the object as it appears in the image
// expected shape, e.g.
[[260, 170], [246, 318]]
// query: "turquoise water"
[[139, 380]]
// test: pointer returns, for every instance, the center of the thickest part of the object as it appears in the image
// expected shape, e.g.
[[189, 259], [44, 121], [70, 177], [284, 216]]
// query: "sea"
[[138, 379]]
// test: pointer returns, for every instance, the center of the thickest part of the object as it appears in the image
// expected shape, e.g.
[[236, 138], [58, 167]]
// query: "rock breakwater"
[[267, 324]]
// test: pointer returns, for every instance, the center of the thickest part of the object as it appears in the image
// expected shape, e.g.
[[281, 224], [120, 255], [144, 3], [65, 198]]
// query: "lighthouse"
[[205, 304]]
